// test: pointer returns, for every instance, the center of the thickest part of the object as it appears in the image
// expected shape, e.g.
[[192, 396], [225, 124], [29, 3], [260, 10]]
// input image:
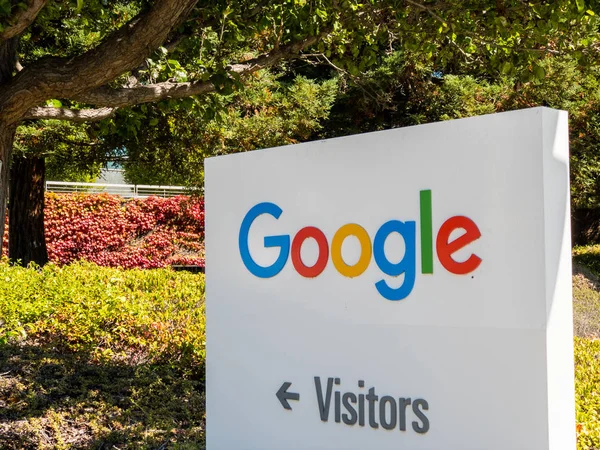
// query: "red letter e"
[[445, 249]]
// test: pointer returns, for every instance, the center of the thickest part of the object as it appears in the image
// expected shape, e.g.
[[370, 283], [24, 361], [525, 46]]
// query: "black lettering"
[[347, 399], [424, 426], [391, 424], [361, 405], [361, 410], [324, 403], [402, 404], [372, 398]]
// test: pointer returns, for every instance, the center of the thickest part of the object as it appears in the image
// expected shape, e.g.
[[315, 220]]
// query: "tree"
[[67, 151], [71, 151], [270, 112], [82, 73], [95, 58], [402, 92]]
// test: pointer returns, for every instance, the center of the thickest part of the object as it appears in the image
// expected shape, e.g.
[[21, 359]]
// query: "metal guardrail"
[[124, 190]]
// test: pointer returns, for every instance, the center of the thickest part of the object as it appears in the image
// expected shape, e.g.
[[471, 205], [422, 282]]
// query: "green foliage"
[[492, 37], [72, 152], [588, 256], [586, 314], [456, 97], [119, 315], [96, 357], [86, 363], [587, 383], [220, 32], [566, 86], [270, 112], [483, 38], [508, 36], [57, 400], [66, 29], [101, 358], [586, 305], [405, 91]]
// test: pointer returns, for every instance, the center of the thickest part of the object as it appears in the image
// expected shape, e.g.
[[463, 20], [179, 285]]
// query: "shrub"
[[587, 385], [130, 316], [113, 232], [150, 326], [96, 357], [588, 256]]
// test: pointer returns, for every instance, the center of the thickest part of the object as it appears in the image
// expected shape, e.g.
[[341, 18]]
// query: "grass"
[[586, 303]]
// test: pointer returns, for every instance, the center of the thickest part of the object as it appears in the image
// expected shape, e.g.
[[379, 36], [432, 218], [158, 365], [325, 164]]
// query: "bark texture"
[[122, 51], [8, 61], [7, 135], [48, 78], [8, 58], [86, 79], [23, 19], [26, 211], [72, 115], [109, 98]]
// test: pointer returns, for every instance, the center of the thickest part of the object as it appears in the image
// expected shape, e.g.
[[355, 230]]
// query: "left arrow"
[[283, 396]]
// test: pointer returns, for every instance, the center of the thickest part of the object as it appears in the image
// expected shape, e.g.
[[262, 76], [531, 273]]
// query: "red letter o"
[[319, 266]]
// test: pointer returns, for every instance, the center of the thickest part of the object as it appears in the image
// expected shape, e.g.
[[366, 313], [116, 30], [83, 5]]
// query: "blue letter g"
[[283, 242]]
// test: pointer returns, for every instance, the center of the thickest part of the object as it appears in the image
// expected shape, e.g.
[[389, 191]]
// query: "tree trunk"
[[7, 135], [8, 61], [27, 242], [8, 58]]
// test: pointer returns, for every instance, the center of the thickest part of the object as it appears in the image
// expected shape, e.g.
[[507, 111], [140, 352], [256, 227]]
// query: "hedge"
[[114, 232]]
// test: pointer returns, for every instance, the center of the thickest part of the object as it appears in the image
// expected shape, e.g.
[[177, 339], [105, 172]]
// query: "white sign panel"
[[406, 289]]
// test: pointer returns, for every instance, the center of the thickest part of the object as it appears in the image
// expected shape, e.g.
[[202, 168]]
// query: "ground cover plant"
[[95, 357], [586, 307], [114, 232], [587, 395], [104, 358], [589, 257], [586, 326]]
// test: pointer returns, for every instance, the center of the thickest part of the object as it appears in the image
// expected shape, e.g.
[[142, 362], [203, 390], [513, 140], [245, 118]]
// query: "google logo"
[[370, 249]]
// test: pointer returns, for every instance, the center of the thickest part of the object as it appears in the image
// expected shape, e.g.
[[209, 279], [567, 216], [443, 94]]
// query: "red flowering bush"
[[111, 231]]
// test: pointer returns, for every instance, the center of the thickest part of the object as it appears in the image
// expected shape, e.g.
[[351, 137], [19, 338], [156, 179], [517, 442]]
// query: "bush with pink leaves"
[[111, 231]]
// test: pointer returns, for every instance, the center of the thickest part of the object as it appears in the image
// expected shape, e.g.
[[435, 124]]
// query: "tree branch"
[[174, 43], [72, 115], [427, 9], [319, 56], [120, 52], [120, 97], [268, 59], [23, 19]]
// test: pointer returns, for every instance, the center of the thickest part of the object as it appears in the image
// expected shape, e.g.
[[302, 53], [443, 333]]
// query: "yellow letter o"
[[351, 229]]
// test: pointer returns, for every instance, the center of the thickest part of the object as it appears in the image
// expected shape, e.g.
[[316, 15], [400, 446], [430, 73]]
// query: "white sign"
[[405, 289]]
